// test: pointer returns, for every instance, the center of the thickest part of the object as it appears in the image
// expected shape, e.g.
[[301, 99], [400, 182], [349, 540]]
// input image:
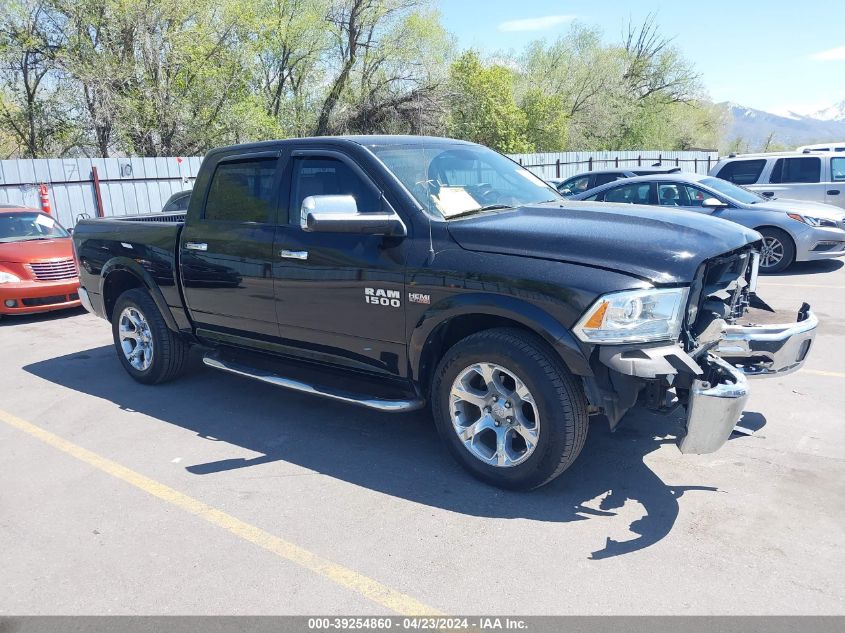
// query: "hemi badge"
[[418, 297]]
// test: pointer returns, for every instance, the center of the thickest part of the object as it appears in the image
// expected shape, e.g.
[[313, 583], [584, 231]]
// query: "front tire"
[[508, 409], [148, 350], [778, 251]]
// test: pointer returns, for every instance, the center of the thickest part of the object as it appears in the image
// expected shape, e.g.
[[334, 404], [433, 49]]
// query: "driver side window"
[[319, 176]]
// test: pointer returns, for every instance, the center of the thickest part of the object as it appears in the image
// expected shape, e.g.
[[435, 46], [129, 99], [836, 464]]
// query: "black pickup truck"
[[391, 272]]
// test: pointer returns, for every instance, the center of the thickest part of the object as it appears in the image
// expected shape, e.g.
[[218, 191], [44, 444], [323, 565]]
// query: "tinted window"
[[797, 170], [243, 191], [603, 179], [576, 185], [669, 194], [680, 195], [179, 202], [695, 196], [330, 177], [636, 193], [837, 169], [742, 172]]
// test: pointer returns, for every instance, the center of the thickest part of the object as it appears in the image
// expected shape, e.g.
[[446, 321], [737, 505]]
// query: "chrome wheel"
[[772, 252], [136, 340], [494, 415]]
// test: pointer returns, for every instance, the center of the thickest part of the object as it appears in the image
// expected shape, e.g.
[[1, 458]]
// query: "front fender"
[[131, 266], [512, 308]]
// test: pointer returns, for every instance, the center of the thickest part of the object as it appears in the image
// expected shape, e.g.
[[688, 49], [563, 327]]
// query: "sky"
[[773, 55]]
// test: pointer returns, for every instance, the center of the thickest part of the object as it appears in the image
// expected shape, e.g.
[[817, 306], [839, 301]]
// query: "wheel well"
[[454, 330], [776, 228], [116, 284]]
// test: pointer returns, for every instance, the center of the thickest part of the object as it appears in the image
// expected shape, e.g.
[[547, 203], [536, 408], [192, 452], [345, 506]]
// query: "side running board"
[[391, 406]]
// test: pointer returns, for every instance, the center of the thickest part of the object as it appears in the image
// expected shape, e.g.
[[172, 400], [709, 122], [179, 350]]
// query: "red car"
[[38, 271]]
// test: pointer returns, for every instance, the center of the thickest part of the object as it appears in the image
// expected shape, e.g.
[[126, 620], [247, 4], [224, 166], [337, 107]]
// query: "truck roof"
[[368, 140]]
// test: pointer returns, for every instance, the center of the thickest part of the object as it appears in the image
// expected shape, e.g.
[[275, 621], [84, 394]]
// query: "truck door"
[[226, 253], [339, 296]]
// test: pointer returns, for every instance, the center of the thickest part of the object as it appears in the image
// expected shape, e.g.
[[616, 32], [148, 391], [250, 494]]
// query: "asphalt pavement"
[[215, 494]]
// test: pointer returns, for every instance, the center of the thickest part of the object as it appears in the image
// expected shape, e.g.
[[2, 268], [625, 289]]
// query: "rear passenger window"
[[330, 177], [243, 191], [797, 170], [742, 172], [632, 194], [837, 169]]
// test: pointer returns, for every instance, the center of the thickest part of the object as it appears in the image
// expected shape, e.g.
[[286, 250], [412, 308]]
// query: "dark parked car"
[[588, 180], [178, 201], [391, 272]]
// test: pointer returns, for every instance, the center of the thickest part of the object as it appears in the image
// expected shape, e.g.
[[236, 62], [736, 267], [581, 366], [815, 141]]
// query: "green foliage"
[[168, 77], [483, 108]]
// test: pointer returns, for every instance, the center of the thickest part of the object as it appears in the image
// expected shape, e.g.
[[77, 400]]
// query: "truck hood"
[[35, 250], [652, 243]]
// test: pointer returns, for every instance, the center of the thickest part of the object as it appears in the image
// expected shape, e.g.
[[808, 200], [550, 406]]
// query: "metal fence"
[[126, 186], [96, 186], [565, 164]]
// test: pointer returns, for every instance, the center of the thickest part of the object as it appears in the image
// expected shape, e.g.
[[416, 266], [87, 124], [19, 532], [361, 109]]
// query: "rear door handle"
[[196, 246], [294, 254], [768, 194], [833, 192]]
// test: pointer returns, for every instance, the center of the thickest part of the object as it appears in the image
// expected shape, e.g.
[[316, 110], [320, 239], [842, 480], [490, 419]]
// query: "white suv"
[[815, 177]]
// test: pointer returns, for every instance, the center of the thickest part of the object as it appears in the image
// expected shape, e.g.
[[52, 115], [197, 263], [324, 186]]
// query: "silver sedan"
[[793, 230]]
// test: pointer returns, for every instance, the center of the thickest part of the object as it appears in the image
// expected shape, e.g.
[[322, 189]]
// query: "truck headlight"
[[634, 316], [8, 278]]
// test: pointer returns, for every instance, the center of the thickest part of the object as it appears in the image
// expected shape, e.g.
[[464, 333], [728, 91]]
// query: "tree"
[[482, 105], [287, 40], [34, 96], [386, 53]]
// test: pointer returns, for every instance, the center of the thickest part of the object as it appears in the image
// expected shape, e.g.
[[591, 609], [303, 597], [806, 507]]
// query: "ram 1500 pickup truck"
[[391, 272]]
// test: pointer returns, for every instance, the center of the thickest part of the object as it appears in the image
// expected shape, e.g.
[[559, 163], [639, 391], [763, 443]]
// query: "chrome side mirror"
[[713, 203], [339, 214]]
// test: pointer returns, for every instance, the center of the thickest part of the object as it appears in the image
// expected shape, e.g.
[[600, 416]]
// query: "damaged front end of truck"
[[727, 335]]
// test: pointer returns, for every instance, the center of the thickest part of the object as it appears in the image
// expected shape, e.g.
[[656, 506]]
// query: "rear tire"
[[508, 409], [149, 351], [778, 250]]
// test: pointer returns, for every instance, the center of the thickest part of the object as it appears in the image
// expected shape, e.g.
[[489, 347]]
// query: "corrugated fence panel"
[[127, 185], [143, 185]]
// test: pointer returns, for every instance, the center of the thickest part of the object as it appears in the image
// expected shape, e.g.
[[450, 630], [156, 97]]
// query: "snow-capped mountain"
[[835, 112], [754, 127]]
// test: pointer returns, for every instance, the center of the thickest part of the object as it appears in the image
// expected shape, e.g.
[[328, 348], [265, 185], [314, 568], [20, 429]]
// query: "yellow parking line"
[[819, 372], [343, 576]]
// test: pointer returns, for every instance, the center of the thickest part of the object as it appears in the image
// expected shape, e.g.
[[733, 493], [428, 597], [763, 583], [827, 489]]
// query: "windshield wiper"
[[488, 207]]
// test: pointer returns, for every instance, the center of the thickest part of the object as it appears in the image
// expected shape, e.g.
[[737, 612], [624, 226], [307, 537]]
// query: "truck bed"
[[146, 244]]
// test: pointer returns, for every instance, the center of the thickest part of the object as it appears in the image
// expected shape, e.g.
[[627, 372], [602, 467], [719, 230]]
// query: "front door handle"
[[768, 194], [833, 192], [294, 254], [196, 246]]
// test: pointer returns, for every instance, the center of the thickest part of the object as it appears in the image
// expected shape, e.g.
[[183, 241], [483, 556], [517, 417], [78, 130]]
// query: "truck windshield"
[[729, 189], [22, 227], [451, 180]]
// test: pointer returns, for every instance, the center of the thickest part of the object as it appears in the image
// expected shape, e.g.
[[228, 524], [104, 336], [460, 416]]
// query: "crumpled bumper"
[[769, 349], [716, 402], [719, 388]]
